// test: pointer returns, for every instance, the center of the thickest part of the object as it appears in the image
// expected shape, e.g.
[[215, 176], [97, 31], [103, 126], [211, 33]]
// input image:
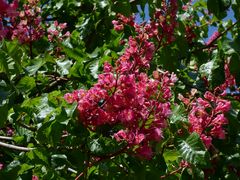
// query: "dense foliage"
[[89, 91]]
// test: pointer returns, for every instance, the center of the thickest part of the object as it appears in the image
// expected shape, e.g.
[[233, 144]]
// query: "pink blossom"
[[62, 25], [1, 166], [107, 68], [207, 140], [223, 105], [139, 138], [214, 36], [156, 134], [117, 25], [125, 95], [29, 27], [34, 177], [120, 135], [207, 118], [145, 151], [69, 98], [10, 131]]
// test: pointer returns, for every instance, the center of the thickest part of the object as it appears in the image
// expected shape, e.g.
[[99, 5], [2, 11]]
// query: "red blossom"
[[214, 36], [126, 95], [29, 27], [34, 177], [1, 166], [207, 115], [207, 118]]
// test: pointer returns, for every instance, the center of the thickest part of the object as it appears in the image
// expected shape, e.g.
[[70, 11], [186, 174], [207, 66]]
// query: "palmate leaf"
[[193, 150]]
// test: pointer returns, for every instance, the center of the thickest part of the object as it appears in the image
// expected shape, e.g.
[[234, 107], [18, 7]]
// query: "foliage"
[[89, 92]]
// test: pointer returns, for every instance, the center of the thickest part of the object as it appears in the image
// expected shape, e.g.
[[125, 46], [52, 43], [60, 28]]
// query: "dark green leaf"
[[193, 150], [26, 84]]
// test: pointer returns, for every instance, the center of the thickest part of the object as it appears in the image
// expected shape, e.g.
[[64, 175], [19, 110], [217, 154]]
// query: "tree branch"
[[219, 36], [6, 138], [102, 158], [19, 148], [72, 170]]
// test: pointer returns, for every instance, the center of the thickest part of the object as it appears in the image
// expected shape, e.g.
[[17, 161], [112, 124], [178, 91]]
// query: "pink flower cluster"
[[1, 166], [190, 35], [161, 27], [130, 98], [207, 118], [55, 32], [125, 95], [207, 115], [230, 80], [29, 27], [8, 13], [214, 36], [140, 104]]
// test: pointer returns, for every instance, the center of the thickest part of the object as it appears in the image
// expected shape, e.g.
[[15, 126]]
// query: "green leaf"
[[94, 69], [3, 112], [59, 161], [26, 84], [178, 114], [25, 167], [58, 5], [3, 63], [54, 98], [37, 64], [218, 7], [170, 155], [50, 132], [213, 70], [44, 109], [64, 66], [38, 156], [11, 171], [168, 58], [193, 150], [122, 7], [103, 145]]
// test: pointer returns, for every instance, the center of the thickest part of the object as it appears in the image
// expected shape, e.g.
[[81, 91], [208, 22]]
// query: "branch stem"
[[11, 146], [6, 138]]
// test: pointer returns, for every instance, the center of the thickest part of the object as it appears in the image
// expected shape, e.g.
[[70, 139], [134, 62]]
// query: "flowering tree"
[[88, 91]]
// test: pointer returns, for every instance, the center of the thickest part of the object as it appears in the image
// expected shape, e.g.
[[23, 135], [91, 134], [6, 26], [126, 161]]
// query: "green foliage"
[[34, 77], [193, 151]]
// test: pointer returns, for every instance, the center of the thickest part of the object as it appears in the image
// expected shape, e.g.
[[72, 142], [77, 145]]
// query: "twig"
[[171, 173], [26, 126], [219, 36], [72, 170], [102, 158], [6, 138], [56, 81], [19, 148]]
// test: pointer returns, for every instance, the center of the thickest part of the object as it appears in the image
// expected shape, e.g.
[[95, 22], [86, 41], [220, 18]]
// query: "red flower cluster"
[[207, 117], [212, 38], [8, 13], [161, 27], [26, 25], [29, 28], [125, 94], [55, 32], [230, 80], [140, 104], [206, 114]]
